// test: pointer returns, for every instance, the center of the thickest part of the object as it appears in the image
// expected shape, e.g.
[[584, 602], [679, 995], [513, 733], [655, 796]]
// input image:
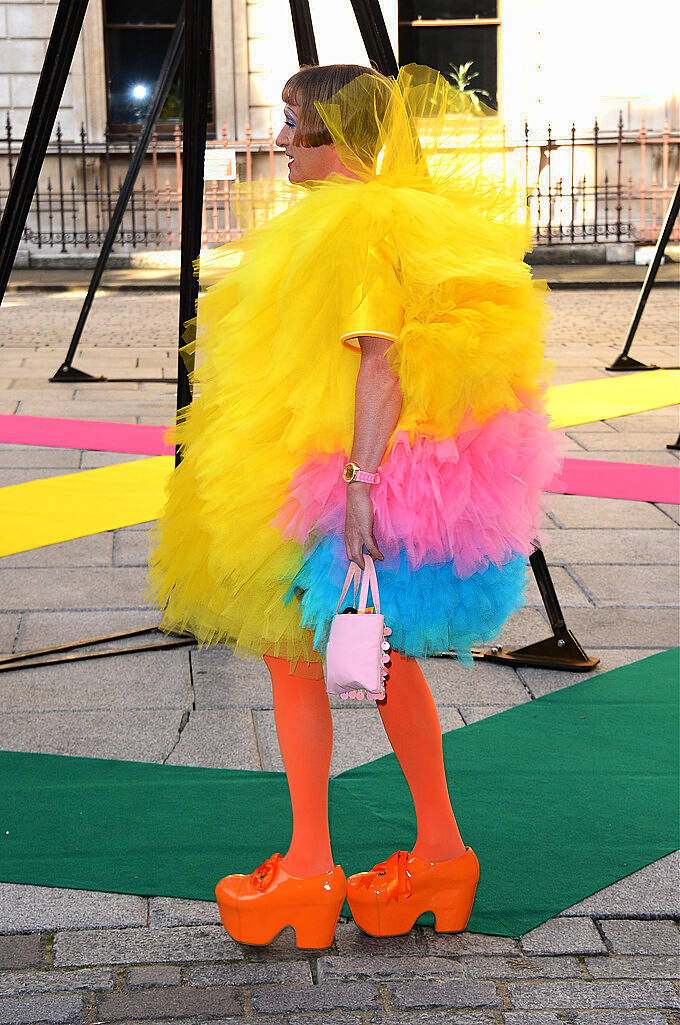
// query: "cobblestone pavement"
[[77, 956]]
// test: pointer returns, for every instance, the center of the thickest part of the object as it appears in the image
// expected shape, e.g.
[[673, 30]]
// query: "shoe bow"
[[398, 878], [264, 873]]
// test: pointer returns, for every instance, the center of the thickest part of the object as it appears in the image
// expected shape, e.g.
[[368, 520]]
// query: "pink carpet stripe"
[[598, 478], [58, 432]]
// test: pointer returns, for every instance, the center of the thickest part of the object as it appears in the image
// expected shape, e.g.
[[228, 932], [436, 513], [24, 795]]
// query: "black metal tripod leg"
[[623, 361], [58, 59], [170, 64]]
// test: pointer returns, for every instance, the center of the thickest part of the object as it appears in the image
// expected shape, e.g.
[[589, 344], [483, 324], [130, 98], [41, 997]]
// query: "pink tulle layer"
[[473, 498]]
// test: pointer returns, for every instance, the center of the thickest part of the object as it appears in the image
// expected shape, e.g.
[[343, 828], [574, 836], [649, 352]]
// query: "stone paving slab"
[[571, 593], [558, 936], [131, 548], [53, 1007], [616, 584], [627, 936], [218, 740], [156, 679], [167, 911], [92, 550], [140, 736], [635, 966], [72, 588], [27, 457], [625, 994], [609, 545], [26, 951], [29, 982], [10, 476], [9, 627], [624, 627], [29, 909], [43, 629], [80, 948], [633, 441], [583, 511]]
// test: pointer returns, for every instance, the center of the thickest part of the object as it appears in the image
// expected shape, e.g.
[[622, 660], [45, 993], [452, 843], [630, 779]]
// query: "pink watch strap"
[[368, 478]]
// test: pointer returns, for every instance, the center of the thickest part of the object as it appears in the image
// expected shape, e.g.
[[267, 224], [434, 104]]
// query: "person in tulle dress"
[[379, 318]]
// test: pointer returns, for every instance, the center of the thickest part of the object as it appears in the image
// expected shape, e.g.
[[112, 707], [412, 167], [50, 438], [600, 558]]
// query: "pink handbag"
[[357, 652]]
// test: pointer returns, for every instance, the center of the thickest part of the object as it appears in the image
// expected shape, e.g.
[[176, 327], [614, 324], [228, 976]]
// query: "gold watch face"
[[349, 472]]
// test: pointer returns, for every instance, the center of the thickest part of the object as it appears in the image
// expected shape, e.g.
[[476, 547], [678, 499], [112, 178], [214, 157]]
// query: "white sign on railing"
[[220, 164]]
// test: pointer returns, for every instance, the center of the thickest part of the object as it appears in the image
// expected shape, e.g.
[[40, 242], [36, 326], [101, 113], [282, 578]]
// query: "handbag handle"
[[369, 577], [353, 574]]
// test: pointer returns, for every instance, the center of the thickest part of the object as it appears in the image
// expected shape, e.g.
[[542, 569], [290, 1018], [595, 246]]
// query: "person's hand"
[[359, 524]]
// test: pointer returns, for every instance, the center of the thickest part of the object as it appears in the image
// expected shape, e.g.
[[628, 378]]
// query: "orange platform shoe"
[[387, 900], [255, 907]]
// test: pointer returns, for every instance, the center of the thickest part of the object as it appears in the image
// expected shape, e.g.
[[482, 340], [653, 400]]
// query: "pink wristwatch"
[[352, 472]]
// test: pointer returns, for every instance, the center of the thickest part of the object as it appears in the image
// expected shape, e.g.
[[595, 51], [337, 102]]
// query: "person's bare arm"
[[377, 407]]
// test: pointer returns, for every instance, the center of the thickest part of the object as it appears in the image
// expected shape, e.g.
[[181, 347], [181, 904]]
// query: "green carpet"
[[559, 797]]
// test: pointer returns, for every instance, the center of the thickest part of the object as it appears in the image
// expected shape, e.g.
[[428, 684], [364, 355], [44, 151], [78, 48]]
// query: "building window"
[[444, 34], [136, 38]]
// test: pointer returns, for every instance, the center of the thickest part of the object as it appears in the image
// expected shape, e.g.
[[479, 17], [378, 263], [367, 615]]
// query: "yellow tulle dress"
[[425, 247]]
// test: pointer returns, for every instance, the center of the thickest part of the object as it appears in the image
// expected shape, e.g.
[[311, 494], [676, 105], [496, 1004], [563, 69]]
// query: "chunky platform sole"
[[255, 908], [434, 887], [314, 926]]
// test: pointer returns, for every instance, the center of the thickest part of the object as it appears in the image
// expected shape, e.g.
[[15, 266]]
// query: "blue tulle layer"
[[429, 609]]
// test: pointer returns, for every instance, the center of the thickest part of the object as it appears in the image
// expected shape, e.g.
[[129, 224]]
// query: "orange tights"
[[304, 728]]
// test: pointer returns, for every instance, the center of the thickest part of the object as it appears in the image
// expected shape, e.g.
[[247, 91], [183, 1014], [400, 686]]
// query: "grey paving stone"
[[350, 941], [546, 681], [138, 946], [632, 966], [331, 968], [624, 628], [485, 683], [95, 587], [633, 441], [569, 591], [571, 996], [532, 1018], [653, 890], [55, 1007], [223, 680], [250, 974], [563, 936], [218, 739], [158, 679], [153, 975], [578, 546], [17, 983], [172, 1002], [28, 909], [455, 994], [93, 550], [449, 944], [617, 585], [490, 966], [329, 1018], [586, 511], [20, 951], [9, 628], [627, 936], [655, 420], [28, 456], [329, 997], [91, 459], [43, 629], [448, 1017], [164, 911], [669, 509], [131, 548], [139, 735], [620, 1018], [10, 476]]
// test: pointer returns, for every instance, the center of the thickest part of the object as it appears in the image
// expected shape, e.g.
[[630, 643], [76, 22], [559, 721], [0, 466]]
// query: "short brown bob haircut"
[[319, 82]]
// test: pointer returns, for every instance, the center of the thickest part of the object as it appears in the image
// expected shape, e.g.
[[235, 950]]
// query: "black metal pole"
[[303, 30], [66, 371], [623, 361], [58, 58], [196, 82], [371, 22]]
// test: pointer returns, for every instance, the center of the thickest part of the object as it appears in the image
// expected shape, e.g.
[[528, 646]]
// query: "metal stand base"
[[628, 363], [31, 659], [68, 374], [561, 651]]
